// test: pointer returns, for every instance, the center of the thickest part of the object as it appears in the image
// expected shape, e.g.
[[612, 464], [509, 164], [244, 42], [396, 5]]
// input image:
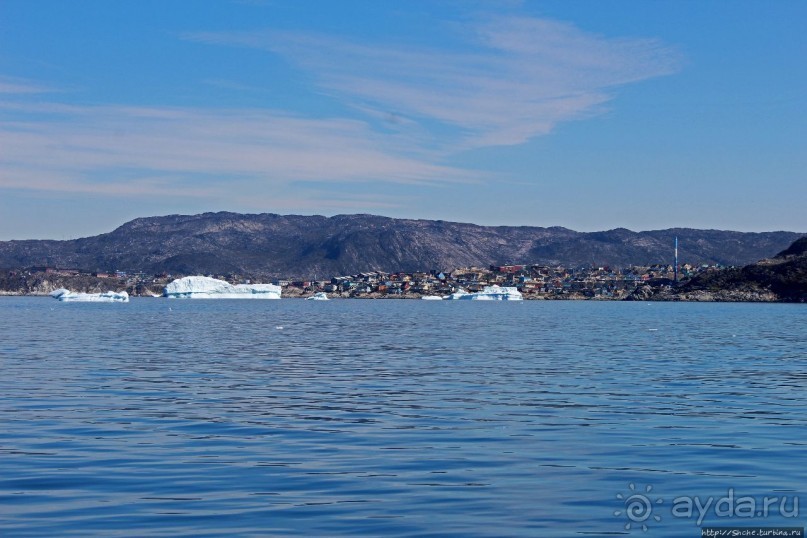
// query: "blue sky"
[[590, 115]]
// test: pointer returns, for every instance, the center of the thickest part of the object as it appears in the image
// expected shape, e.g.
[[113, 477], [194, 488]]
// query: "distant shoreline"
[[337, 297]]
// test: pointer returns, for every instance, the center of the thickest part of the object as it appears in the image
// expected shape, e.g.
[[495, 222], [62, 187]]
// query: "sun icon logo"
[[638, 507]]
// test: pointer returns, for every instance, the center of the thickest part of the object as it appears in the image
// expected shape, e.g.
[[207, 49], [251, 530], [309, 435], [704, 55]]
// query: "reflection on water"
[[393, 418]]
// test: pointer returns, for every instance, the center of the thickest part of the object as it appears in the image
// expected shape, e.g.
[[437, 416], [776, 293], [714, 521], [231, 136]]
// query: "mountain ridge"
[[271, 245]]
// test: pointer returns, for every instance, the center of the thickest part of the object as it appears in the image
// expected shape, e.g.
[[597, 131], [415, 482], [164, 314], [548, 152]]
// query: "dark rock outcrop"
[[782, 278]]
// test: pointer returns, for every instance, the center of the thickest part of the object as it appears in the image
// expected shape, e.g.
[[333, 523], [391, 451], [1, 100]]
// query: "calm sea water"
[[397, 418]]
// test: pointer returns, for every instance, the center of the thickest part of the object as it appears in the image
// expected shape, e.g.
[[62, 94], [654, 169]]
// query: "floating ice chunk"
[[202, 287], [488, 293], [319, 296], [459, 294], [432, 298], [67, 296]]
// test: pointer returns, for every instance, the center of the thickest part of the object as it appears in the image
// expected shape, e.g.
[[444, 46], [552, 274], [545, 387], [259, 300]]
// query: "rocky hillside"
[[269, 245], [781, 278], [19, 283]]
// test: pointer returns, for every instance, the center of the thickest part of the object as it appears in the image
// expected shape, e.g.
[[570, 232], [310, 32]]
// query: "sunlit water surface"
[[394, 418]]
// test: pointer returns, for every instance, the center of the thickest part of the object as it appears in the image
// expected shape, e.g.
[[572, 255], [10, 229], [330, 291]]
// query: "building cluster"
[[133, 276], [35, 279], [533, 281]]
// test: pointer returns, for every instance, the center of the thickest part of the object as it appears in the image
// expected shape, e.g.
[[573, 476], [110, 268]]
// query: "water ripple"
[[391, 418]]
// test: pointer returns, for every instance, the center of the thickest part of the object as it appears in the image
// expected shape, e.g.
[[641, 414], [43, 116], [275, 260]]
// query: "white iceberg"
[[488, 293], [459, 294], [432, 298], [67, 296], [58, 293], [202, 287], [319, 296]]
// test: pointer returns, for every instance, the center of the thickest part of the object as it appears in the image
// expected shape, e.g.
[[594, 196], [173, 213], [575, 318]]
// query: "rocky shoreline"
[[643, 293], [649, 293], [42, 287]]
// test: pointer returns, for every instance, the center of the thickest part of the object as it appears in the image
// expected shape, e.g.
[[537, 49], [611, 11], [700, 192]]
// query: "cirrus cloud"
[[168, 150], [519, 79], [408, 110]]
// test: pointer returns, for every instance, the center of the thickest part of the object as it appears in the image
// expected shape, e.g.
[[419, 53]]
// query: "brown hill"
[[269, 245]]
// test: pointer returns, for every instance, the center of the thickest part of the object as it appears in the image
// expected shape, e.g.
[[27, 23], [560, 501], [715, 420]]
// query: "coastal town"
[[534, 281]]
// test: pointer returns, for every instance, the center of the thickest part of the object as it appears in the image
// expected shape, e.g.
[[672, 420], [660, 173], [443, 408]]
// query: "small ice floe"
[[319, 296], [279, 327], [432, 298], [67, 296]]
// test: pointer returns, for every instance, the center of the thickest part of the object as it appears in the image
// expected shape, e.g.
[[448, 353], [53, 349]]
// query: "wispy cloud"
[[522, 77], [120, 149], [411, 107], [14, 85]]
